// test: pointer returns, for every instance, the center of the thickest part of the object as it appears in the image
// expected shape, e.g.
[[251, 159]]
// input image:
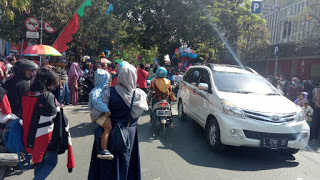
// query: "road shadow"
[[313, 147], [187, 139], [78, 108], [16, 171], [13, 172], [82, 130]]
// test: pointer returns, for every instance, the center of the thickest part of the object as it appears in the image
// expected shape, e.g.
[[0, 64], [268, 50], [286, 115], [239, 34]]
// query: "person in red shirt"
[[5, 108], [142, 77]]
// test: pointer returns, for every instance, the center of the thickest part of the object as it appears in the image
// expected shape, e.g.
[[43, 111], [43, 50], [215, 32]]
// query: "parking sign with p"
[[256, 7], [276, 51]]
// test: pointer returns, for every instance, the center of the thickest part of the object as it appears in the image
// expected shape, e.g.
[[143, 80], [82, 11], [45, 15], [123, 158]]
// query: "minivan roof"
[[229, 68]]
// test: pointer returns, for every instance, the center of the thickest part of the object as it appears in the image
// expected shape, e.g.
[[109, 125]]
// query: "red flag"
[[66, 36]]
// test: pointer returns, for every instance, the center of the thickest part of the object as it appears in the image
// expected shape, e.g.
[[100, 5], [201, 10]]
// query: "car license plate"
[[274, 143], [163, 113]]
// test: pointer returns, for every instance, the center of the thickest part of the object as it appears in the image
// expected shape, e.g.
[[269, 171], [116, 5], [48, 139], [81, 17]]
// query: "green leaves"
[[9, 8], [150, 28]]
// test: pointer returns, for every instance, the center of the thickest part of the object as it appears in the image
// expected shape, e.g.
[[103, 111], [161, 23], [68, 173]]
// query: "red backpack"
[[28, 103]]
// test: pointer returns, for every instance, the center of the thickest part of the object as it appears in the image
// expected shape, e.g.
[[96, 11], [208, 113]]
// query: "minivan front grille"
[[261, 135], [270, 117]]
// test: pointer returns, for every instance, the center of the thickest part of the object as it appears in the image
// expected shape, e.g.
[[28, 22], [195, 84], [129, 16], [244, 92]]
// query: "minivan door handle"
[[194, 91]]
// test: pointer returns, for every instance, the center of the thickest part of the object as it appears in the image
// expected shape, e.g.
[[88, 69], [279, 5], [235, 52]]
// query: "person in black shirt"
[[20, 83]]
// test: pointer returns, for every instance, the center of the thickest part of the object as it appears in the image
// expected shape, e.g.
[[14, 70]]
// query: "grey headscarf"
[[126, 84]]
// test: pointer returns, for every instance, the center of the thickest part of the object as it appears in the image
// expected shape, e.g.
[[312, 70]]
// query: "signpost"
[[48, 27], [256, 7], [34, 35], [269, 7], [32, 24], [276, 53]]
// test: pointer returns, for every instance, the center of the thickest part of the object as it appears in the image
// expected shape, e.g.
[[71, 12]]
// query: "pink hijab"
[[74, 70]]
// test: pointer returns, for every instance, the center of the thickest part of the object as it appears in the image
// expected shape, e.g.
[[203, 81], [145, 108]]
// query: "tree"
[[57, 12], [151, 28], [308, 19], [240, 32], [9, 8]]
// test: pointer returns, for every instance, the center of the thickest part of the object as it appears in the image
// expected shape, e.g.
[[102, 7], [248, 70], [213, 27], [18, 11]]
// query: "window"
[[192, 76], [286, 29], [205, 77], [242, 83], [194, 79], [188, 74], [289, 28]]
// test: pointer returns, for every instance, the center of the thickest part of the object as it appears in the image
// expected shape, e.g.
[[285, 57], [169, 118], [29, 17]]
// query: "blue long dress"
[[126, 165]]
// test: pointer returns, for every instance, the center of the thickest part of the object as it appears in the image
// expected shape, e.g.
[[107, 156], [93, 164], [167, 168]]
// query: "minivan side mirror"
[[204, 87]]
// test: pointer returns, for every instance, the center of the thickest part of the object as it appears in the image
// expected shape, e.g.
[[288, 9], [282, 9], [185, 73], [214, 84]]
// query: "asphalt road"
[[182, 153]]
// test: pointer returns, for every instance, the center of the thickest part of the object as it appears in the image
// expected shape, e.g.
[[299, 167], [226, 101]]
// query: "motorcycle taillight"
[[163, 104]]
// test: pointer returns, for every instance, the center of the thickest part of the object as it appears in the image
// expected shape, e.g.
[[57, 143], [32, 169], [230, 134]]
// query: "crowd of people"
[[305, 94], [118, 94], [37, 93]]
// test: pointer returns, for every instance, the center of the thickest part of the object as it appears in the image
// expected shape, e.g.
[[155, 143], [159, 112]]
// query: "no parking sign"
[[32, 24]]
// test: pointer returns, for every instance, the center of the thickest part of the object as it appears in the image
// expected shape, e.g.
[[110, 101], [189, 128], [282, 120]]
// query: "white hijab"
[[126, 84]]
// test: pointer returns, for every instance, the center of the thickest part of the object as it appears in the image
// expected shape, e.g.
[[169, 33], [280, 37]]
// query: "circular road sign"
[[48, 27], [32, 24]]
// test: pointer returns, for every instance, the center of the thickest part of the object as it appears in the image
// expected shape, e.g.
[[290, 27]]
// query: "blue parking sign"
[[256, 7], [276, 50]]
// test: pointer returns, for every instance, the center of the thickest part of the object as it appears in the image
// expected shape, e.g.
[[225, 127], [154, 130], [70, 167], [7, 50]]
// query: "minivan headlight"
[[300, 116], [231, 109]]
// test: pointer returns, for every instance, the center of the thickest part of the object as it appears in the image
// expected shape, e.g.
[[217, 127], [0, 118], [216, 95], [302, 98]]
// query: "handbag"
[[119, 137]]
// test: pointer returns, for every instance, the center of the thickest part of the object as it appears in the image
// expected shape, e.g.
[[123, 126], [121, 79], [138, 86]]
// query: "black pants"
[[314, 134]]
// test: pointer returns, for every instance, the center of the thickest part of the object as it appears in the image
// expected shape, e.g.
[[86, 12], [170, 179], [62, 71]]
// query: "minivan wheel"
[[289, 151], [213, 136], [181, 114]]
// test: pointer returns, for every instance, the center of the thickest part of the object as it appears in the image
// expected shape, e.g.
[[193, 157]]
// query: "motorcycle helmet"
[[21, 66], [121, 65], [161, 72]]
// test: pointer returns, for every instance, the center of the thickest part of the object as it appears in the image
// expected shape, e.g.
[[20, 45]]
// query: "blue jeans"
[[49, 162], [64, 94]]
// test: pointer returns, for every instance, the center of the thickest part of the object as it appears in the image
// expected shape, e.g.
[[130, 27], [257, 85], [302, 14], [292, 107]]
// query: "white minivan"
[[238, 107]]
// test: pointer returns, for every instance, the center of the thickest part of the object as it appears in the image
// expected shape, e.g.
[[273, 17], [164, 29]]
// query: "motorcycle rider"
[[162, 87], [20, 83]]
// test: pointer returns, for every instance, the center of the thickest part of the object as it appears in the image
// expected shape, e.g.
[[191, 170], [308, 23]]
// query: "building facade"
[[287, 26]]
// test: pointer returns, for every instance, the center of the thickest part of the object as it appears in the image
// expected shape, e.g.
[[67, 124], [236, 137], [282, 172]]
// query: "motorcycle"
[[161, 115], [7, 159]]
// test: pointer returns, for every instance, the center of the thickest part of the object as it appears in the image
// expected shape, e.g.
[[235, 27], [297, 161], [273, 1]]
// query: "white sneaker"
[[105, 154]]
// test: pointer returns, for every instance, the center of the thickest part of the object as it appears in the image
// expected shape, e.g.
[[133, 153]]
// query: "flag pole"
[[69, 21]]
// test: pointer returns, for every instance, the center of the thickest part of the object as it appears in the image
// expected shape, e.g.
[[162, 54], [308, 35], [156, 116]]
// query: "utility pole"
[[41, 31], [41, 27], [278, 36]]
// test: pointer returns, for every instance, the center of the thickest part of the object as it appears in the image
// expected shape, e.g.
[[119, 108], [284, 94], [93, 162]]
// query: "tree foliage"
[[9, 8], [152, 28], [308, 19]]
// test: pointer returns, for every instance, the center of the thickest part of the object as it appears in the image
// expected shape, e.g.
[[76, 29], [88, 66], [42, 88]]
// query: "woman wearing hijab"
[[294, 89], [125, 165], [73, 77]]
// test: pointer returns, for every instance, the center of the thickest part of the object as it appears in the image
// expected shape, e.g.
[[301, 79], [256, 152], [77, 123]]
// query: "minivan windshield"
[[242, 83]]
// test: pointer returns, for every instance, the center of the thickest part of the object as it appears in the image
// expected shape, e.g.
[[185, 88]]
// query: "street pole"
[[276, 66], [41, 31], [278, 36], [41, 27]]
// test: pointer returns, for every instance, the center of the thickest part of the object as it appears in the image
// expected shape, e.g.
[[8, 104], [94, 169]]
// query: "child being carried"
[[308, 111], [101, 81]]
